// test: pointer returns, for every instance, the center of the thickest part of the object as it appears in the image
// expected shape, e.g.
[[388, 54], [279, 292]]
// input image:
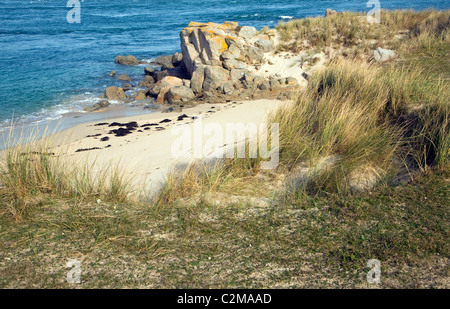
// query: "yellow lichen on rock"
[[220, 40], [196, 24]]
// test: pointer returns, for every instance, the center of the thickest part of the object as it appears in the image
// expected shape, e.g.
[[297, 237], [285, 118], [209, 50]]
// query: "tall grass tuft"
[[368, 118], [30, 171], [352, 32]]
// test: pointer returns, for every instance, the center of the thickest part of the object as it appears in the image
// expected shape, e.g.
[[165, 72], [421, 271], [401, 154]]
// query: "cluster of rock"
[[218, 58], [218, 62]]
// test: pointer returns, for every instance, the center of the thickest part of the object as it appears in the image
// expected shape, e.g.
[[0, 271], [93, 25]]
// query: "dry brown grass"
[[30, 171], [353, 36]]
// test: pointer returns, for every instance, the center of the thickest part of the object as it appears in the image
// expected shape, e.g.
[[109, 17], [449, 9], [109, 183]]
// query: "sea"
[[50, 67]]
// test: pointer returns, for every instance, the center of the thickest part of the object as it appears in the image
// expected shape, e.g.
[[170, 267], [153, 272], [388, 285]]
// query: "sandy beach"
[[146, 153]]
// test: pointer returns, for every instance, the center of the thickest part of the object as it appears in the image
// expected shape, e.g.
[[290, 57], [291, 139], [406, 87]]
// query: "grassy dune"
[[363, 174]]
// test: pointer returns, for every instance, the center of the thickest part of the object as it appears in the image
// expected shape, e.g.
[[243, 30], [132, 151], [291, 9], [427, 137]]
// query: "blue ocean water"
[[49, 66]]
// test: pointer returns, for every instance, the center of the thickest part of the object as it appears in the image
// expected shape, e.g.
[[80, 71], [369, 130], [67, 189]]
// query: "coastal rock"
[[264, 85], [254, 55], [141, 95], [112, 74], [114, 93], [203, 43], [265, 44], [165, 62], [228, 88], [149, 78], [275, 84], [247, 32], [124, 77], [127, 86], [214, 77], [214, 53], [100, 105], [149, 71], [237, 74], [159, 75], [146, 84], [187, 83], [172, 81], [258, 79], [197, 80], [180, 94], [177, 59], [174, 109], [126, 60], [161, 98], [231, 64], [234, 52], [382, 55], [179, 72]]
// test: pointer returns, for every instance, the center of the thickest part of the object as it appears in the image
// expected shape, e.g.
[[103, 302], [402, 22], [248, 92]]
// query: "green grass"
[[368, 118], [318, 242]]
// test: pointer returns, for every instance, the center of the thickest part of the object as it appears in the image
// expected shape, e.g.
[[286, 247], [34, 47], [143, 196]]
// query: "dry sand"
[[146, 155]]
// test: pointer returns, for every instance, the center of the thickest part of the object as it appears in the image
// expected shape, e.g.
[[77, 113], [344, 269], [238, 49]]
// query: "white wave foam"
[[70, 104]]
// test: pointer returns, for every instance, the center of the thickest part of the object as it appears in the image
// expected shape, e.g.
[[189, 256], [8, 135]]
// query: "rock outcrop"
[[114, 93], [124, 77], [126, 60], [217, 57], [218, 62], [99, 106], [225, 45]]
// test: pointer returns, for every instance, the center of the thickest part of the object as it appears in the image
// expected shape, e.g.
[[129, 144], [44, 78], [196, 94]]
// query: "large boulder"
[[172, 81], [214, 77], [247, 32], [253, 55], [180, 94], [177, 59], [264, 43], [126, 60], [165, 62], [197, 79], [146, 84], [231, 64], [141, 95], [149, 71], [124, 77], [99, 106], [234, 52], [203, 43], [159, 75], [237, 74], [114, 93]]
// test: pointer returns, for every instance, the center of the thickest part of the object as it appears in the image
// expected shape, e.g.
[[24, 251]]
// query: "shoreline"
[[145, 155], [67, 121]]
